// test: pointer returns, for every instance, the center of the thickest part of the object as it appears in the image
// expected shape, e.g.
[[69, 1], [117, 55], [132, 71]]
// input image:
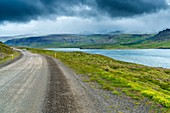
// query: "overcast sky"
[[82, 16]]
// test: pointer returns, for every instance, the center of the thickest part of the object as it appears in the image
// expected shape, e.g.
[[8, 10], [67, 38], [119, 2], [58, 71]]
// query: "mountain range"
[[105, 41]]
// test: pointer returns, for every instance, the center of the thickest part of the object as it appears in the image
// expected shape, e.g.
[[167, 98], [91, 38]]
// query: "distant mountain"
[[118, 32], [112, 40], [5, 38], [162, 36], [80, 41]]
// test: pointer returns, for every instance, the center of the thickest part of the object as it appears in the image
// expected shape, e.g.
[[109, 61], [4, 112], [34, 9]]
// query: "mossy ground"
[[136, 81]]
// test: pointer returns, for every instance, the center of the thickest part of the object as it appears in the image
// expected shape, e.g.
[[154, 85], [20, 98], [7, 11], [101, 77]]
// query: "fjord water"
[[148, 57]]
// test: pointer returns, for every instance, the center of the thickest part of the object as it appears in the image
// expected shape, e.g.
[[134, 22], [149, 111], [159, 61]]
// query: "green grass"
[[136, 81], [7, 53], [9, 57], [142, 45]]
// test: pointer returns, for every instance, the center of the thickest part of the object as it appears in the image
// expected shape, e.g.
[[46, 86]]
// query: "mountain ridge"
[[104, 41], [67, 40]]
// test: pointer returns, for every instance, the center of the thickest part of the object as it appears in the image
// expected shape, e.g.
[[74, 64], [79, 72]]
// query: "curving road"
[[23, 84], [41, 84]]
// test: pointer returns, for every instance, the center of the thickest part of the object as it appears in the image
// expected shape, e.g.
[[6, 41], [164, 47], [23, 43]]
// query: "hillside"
[[105, 41], [162, 36], [80, 41], [6, 52], [160, 40]]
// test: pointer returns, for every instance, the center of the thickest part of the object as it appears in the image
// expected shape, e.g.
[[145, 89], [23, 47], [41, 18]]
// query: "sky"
[[40, 17]]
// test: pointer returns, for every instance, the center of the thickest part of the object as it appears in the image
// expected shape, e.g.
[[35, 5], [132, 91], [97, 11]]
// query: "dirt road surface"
[[41, 84], [23, 85], [37, 84]]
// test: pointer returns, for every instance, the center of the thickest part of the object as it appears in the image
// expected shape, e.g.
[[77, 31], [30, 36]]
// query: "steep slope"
[[81, 41], [6, 52], [160, 40], [162, 36]]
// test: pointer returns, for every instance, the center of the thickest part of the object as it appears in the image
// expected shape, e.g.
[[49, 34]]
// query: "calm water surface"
[[149, 57]]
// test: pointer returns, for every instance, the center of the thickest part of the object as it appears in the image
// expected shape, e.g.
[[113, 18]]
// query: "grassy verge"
[[7, 53], [137, 81], [9, 57]]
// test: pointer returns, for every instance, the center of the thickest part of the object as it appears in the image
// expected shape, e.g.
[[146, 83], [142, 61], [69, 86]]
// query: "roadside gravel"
[[90, 98], [36, 84]]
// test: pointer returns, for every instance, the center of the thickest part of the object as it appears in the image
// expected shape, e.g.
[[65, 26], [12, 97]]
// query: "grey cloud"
[[26, 10], [124, 8]]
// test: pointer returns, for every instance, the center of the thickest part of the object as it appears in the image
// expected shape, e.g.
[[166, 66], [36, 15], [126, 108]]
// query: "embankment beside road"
[[8, 55], [137, 84]]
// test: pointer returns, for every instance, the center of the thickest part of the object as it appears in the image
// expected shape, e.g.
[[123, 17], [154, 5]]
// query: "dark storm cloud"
[[26, 10], [123, 8]]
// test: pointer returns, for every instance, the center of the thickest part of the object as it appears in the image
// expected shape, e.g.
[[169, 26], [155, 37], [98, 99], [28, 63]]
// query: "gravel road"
[[23, 84], [36, 84], [41, 84]]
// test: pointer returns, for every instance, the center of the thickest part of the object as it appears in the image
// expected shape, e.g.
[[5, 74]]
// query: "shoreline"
[[118, 54]]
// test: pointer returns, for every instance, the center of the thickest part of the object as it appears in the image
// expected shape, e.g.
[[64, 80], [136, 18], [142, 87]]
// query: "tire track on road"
[[23, 87], [15, 76], [59, 97], [23, 90]]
